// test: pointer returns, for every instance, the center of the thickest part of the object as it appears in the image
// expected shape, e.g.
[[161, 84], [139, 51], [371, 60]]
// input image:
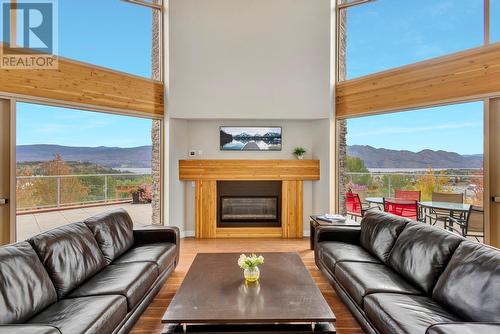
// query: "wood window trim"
[[466, 75], [83, 85]]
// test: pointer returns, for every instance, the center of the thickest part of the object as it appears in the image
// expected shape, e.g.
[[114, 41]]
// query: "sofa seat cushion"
[[379, 231], [131, 280], [332, 252], [85, 315], [163, 254], [361, 279], [25, 286], [470, 284], [421, 253], [70, 255], [113, 231], [399, 313]]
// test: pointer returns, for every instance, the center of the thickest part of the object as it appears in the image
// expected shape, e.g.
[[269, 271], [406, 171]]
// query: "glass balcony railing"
[[383, 184], [58, 191]]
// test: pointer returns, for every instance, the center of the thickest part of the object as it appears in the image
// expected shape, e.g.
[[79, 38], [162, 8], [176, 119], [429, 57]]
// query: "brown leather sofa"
[[95, 276], [401, 276]]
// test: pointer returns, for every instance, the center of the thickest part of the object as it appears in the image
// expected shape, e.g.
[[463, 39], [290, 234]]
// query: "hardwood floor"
[[150, 322]]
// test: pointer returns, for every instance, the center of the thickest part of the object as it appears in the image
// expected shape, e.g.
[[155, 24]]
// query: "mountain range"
[[114, 157], [140, 157], [385, 158]]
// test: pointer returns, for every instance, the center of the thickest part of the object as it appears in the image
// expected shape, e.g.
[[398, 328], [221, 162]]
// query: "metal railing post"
[[105, 188], [58, 191], [389, 185]]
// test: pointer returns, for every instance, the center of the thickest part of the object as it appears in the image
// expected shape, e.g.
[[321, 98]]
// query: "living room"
[[241, 166]]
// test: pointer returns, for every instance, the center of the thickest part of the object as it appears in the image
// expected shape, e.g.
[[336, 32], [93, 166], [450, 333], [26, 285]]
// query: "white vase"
[[300, 157]]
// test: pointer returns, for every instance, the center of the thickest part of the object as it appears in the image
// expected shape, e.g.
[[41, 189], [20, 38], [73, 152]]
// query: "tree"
[[357, 165], [478, 197], [59, 190], [430, 182]]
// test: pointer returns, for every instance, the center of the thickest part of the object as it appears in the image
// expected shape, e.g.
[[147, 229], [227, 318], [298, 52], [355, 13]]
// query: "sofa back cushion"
[[470, 284], [25, 286], [379, 231], [113, 231], [70, 255], [422, 252]]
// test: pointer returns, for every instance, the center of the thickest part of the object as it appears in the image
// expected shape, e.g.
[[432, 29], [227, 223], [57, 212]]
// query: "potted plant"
[[299, 152], [142, 194], [250, 266]]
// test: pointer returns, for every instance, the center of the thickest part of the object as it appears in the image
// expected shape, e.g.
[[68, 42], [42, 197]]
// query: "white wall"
[[262, 59], [177, 145]]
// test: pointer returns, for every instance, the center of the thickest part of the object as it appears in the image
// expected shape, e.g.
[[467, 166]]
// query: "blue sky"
[[390, 33], [38, 124], [381, 35], [456, 128], [109, 33]]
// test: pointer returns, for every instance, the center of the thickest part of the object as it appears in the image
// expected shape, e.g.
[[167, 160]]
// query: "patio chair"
[[470, 226], [402, 207], [407, 194], [356, 208], [441, 215]]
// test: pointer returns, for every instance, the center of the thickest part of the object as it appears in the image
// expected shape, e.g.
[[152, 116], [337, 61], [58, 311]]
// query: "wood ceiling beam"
[[461, 76], [81, 84]]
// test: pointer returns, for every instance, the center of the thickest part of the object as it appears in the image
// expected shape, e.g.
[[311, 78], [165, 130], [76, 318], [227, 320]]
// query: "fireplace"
[[249, 204]]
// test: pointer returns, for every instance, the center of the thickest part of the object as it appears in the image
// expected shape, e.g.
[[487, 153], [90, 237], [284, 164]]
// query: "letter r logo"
[[29, 24]]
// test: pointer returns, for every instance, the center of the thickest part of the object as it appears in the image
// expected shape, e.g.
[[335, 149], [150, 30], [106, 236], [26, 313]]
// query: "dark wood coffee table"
[[214, 292]]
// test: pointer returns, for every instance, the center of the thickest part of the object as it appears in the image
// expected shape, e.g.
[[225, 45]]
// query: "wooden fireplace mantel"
[[206, 173]]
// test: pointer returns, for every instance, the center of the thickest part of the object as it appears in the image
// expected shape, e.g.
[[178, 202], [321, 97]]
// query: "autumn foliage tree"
[[431, 182], [36, 192]]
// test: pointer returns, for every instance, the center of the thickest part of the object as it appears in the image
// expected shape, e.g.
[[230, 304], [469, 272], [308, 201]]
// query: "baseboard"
[[187, 234]]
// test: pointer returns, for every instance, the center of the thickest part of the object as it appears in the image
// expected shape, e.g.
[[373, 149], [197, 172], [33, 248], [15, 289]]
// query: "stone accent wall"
[[156, 124], [342, 124]]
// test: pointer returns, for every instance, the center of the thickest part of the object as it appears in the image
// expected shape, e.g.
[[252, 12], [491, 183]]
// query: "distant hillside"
[[384, 158], [114, 157]]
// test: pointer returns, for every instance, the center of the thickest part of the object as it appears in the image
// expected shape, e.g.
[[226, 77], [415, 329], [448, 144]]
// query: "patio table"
[[452, 207], [375, 200]]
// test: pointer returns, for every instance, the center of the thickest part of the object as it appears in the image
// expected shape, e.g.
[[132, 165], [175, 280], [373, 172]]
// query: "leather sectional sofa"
[[400, 276], [95, 276]]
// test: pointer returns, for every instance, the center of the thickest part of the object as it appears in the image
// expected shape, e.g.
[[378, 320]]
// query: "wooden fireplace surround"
[[206, 173]]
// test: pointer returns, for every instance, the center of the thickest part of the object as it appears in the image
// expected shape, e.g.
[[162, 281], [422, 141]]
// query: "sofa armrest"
[[464, 328], [28, 329], [153, 234], [347, 234]]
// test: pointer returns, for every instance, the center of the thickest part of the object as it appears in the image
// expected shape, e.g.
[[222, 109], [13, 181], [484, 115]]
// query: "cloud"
[[408, 130]]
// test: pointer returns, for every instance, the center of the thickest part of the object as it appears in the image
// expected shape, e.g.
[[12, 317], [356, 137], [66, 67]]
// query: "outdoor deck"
[[31, 224]]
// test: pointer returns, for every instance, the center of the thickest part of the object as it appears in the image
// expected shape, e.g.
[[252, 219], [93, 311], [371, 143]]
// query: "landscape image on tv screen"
[[252, 138]]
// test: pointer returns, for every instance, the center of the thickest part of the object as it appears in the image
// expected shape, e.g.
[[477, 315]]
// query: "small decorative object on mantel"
[[250, 266], [299, 152]]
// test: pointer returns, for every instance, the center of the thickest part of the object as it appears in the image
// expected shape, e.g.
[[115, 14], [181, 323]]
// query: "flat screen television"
[[250, 138]]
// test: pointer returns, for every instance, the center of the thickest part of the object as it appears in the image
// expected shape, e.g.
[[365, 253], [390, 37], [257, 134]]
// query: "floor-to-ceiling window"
[[72, 164], [426, 149]]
